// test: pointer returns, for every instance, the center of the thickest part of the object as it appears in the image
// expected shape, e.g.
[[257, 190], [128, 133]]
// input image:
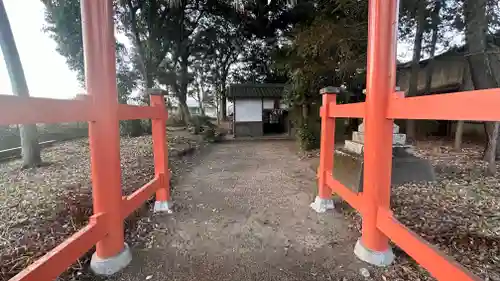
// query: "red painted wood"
[[327, 146], [133, 201], [378, 129], [354, 199], [131, 112], [352, 110], [52, 264], [159, 129], [28, 110], [437, 263], [104, 134], [479, 105]]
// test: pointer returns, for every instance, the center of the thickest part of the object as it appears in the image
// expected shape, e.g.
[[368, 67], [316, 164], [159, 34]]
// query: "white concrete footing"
[[321, 205], [110, 266], [163, 206], [384, 258]]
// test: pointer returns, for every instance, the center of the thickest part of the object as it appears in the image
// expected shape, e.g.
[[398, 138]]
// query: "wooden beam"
[[479, 105]]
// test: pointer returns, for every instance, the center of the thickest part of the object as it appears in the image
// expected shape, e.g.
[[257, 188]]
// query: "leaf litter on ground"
[[459, 213], [40, 208]]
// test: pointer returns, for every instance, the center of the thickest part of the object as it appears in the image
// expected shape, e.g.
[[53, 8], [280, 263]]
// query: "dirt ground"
[[459, 213], [40, 208], [242, 213]]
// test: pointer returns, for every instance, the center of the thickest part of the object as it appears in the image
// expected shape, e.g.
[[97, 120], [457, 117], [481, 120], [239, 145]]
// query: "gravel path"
[[242, 213]]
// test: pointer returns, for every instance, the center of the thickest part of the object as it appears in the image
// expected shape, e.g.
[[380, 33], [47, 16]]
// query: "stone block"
[[348, 169], [354, 147], [361, 127], [395, 128], [358, 137], [397, 139]]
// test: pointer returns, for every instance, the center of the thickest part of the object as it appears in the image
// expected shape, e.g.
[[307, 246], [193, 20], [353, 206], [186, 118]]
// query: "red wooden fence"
[[101, 109], [383, 104]]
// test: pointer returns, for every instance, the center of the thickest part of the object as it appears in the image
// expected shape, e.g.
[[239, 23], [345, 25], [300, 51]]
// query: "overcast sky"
[[46, 71]]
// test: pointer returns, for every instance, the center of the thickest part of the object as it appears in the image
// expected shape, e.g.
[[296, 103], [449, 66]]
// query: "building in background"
[[450, 73], [258, 109]]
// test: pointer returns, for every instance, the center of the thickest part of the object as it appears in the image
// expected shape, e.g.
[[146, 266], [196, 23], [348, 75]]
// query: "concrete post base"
[[372, 257], [321, 205], [112, 265], [163, 206]]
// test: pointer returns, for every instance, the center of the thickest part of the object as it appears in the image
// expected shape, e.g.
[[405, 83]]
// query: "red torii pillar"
[[112, 254], [373, 247]]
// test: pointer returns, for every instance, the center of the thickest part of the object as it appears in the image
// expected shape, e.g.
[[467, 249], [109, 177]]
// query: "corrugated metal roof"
[[255, 91]]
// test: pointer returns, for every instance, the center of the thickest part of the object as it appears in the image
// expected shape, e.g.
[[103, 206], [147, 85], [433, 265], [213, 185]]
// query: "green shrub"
[[147, 126], [202, 121], [308, 137], [131, 128], [210, 135], [175, 120]]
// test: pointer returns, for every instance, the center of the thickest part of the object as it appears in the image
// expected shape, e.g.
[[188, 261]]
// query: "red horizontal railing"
[[480, 105], [354, 199], [429, 257], [131, 202], [130, 112], [27, 110], [351, 110], [50, 266]]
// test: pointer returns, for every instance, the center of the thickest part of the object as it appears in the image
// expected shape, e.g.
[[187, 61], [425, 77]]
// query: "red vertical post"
[[374, 245], [160, 151], [104, 137], [323, 201]]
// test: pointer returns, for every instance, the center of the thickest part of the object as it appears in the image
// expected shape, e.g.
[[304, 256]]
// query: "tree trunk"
[[476, 30], [199, 96], [217, 111], [183, 90], [489, 153], [415, 68], [305, 114], [186, 115], [202, 109], [228, 61], [467, 85], [435, 33], [29, 136], [497, 154], [223, 104], [458, 135]]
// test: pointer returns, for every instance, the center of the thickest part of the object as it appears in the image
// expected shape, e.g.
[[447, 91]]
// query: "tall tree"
[[435, 22], [421, 14], [29, 135], [476, 30], [63, 24], [184, 29], [200, 85], [220, 45], [145, 23], [327, 48]]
